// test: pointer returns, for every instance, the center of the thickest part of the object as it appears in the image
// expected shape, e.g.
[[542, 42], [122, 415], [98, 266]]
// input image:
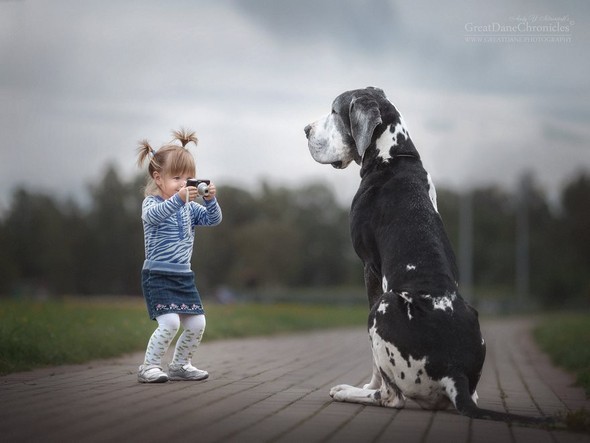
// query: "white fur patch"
[[384, 144], [388, 139], [403, 123], [404, 295], [382, 307], [384, 284], [449, 385], [400, 128], [409, 375], [442, 303], [432, 192], [408, 300], [365, 396], [410, 267], [326, 144]]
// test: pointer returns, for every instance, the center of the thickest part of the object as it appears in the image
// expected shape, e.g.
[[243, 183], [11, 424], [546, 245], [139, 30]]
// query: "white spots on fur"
[[408, 374], [384, 284], [449, 385], [404, 126], [475, 397], [408, 300], [404, 295], [400, 128], [432, 192], [388, 139], [382, 307], [443, 303], [483, 342], [396, 378], [410, 267], [384, 144]]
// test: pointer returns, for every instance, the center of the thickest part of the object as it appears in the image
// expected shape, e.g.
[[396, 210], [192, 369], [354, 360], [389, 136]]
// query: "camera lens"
[[203, 189]]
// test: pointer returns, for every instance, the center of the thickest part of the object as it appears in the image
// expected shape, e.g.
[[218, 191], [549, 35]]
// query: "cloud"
[[358, 26], [83, 81]]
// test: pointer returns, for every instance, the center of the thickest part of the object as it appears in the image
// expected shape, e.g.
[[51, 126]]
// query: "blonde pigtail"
[[145, 151], [185, 136]]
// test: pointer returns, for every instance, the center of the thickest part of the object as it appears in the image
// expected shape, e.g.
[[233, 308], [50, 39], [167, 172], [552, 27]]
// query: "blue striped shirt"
[[169, 230]]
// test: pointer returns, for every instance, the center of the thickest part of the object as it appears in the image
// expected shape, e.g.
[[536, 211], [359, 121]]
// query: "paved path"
[[276, 390]]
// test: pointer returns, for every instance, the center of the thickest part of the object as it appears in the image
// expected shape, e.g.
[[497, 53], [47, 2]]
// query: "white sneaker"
[[151, 374], [186, 372]]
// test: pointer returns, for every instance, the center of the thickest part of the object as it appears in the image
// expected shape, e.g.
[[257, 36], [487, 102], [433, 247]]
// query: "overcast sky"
[[487, 90]]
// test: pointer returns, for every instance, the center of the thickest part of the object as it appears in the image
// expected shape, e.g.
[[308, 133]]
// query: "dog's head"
[[346, 132]]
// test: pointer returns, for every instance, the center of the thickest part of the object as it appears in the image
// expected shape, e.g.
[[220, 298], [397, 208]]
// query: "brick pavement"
[[275, 389]]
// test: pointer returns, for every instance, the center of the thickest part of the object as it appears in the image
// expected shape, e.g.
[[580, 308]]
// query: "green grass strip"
[[75, 330], [566, 338]]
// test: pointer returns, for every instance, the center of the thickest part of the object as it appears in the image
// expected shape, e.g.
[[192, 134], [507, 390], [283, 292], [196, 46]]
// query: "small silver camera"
[[201, 185]]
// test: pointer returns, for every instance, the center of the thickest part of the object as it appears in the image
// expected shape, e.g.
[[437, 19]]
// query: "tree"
[[576, 233], [277, 236], [37, 245], [114, 246]]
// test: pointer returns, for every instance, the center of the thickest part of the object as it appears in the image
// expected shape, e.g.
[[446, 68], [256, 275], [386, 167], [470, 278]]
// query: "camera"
[[201, 185]]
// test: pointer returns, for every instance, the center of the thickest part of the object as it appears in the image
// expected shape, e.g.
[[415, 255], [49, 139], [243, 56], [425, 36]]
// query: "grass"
[[74, 330], [566, 338]]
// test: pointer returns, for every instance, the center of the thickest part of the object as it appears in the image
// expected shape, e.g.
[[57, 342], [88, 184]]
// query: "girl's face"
[[170, 184]]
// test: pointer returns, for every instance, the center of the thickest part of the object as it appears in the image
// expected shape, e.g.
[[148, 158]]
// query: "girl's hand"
[[212, 192], [188, 193]]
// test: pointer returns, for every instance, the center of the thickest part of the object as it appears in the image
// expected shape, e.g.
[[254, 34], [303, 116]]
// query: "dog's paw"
[[338, 389]]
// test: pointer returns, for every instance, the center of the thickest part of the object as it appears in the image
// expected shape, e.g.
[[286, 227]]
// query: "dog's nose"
[[307, 130]]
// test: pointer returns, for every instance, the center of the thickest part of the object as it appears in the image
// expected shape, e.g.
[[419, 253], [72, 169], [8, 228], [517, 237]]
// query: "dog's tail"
[[459, 394]]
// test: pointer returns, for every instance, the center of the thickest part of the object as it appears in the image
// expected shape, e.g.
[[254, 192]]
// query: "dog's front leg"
[[378, 397], [376, 379], [374, 291]]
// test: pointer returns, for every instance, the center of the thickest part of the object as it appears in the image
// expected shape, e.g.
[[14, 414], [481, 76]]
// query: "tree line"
[[280, 237]]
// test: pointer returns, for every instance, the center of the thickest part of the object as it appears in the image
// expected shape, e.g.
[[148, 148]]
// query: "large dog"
[[426, 340]]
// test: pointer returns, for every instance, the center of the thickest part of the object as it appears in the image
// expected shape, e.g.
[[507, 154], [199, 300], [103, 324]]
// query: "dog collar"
[[405, 155]]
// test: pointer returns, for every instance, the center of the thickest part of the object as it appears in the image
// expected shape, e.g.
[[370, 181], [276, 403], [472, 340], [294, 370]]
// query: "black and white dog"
[[426, 340]]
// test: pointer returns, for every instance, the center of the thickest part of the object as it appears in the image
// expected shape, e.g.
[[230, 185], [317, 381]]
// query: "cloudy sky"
[[487, 90]]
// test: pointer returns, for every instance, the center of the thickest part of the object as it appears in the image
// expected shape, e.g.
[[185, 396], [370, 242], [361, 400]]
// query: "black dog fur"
[[425, 337]]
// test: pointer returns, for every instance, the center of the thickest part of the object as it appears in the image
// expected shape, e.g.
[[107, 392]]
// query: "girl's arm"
[[154, 211], [208, 215]]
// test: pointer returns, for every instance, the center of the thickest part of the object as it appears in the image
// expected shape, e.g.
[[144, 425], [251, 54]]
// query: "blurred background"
[[496, 98]]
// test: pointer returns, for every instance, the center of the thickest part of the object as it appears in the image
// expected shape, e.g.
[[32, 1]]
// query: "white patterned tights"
[[168, 325]]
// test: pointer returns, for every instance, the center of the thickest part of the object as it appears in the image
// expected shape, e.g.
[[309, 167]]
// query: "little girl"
[[169, 217]]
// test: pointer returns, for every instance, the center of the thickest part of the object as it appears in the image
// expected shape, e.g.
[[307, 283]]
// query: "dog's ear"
[[364, 118], [376, 90]]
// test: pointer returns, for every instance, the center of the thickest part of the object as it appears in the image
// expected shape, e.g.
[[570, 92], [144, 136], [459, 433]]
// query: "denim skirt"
[[170, 292]]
